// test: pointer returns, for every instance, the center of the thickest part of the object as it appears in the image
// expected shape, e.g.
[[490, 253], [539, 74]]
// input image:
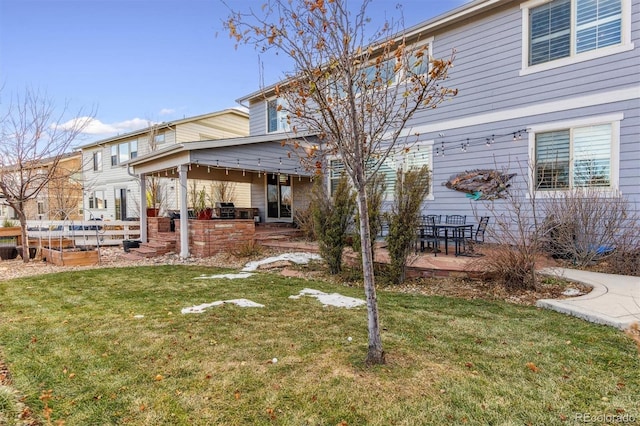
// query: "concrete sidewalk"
[[614, 300]]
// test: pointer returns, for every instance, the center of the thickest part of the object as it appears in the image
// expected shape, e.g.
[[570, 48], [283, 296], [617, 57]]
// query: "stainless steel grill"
[[226, 210]]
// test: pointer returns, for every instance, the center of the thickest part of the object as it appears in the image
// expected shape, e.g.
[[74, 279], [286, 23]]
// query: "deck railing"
[[85, 233]]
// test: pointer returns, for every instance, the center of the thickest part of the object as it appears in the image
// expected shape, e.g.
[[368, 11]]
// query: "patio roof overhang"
[[263, 153]]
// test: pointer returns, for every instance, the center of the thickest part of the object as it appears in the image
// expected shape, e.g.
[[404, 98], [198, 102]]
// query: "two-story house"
[[112, 191], [61, 196], [553, 83]]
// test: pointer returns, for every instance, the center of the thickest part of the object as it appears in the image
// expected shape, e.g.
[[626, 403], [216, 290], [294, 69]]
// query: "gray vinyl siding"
[[488, 62], [258, 117]]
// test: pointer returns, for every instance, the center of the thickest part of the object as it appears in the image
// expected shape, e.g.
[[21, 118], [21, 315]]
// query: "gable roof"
[[166, 124]]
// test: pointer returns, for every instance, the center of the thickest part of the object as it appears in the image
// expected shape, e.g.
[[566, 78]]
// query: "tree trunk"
[[375, 354], [25, 239]]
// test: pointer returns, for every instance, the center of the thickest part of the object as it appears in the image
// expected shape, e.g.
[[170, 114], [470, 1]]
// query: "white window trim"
[[285, 125], [574, 58], [613, 119], [97, 166], [92, 194]]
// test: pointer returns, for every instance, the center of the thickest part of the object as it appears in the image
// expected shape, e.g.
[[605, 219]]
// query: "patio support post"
[[143, 208], [184, 212]]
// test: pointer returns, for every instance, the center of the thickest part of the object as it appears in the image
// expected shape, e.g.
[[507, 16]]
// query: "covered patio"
[[268, 163]]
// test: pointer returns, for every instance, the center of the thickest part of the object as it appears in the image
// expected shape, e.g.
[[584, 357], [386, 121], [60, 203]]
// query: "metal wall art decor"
[[481, 184]]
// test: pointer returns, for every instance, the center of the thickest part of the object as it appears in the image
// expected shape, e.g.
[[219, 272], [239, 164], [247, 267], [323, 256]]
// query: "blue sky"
[[136, 61]]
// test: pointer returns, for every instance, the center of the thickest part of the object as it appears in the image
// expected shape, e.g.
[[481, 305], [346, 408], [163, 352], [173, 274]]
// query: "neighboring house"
[[60, 198], [6, 212], [551, 83], [111, 192]]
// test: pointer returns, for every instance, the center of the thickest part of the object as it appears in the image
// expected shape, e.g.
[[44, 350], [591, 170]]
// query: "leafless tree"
[[223, 191], [33, 139], [354, 90]]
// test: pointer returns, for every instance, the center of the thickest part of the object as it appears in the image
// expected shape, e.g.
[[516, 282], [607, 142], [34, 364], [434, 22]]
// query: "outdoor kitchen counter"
[[210, 237]]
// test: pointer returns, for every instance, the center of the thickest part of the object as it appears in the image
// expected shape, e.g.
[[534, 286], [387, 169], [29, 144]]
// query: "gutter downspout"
[[143, 204]]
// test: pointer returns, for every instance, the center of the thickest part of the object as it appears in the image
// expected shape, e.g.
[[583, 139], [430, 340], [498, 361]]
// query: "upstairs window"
[[114, 155], [124, 151], [159, 139], [568, 29], [277, 116], [550, 36], [97, 161]]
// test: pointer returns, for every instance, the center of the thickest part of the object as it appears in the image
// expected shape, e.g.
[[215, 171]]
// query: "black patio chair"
[[428, 235], [482, 227], [437, 218], [456, 219]]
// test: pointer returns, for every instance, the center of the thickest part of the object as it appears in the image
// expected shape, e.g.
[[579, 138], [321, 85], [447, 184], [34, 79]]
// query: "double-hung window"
[[277, 120], [560, 31], [581, 156]]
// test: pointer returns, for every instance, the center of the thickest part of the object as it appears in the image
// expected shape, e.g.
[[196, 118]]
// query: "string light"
[[398, 154]]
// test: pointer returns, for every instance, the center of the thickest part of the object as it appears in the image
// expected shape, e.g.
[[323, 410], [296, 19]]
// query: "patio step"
[[160, 247], [144, 251], [170, 237], [277, 234]]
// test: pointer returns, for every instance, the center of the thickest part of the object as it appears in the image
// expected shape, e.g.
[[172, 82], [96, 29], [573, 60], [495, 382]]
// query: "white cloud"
[[167, 111], [97, 127]]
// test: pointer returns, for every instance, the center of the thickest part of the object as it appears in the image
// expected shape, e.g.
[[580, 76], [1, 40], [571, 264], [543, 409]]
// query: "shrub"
[[412, 187], [587, 224], [332, 217], [375, 197], [303, 220], [248, 249]]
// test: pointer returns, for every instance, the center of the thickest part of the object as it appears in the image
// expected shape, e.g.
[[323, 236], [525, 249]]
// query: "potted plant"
[[153, 200], [200, 207]]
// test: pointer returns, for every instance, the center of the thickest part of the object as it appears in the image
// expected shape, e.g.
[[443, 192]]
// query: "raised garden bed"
[[57, 243], [70, 256]]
